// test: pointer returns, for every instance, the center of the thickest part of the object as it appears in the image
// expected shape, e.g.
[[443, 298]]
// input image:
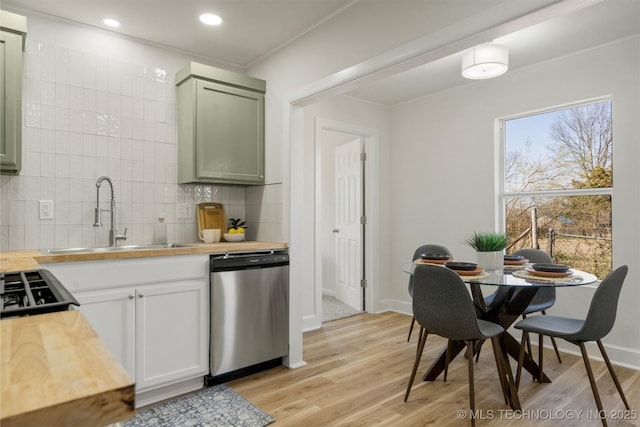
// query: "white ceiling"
[[593, 26], [253, 29]]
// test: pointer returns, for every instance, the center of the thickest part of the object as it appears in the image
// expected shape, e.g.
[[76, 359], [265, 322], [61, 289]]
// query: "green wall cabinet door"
[[220, 126], [12, 32]]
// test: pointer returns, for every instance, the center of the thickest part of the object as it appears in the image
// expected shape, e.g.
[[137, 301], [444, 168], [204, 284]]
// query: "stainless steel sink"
[[113, 248]]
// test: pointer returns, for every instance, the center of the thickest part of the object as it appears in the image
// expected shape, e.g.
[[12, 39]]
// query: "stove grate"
[[32, 292]]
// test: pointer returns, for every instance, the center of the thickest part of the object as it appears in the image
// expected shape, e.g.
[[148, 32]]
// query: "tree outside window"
[[558, 179]]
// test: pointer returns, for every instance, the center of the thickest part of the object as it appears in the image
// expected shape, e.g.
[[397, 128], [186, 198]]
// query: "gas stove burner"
[[32, 292], [12, 301]]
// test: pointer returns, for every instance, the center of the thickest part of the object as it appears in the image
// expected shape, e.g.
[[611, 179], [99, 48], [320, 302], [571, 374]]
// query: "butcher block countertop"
[[31, 259], [55, 371]]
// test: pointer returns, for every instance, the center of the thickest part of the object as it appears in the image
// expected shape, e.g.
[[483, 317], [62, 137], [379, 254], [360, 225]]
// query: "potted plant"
[[489, 248]]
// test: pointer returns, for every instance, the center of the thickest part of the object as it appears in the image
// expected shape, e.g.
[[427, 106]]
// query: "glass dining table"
[[515, 286]]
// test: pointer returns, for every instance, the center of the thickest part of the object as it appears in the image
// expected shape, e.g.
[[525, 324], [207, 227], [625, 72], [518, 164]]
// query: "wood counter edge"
[[31, 260], [37, 388], [101, 409]]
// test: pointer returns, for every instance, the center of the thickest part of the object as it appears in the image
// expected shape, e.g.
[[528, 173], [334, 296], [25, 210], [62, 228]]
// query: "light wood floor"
[[358, 368]]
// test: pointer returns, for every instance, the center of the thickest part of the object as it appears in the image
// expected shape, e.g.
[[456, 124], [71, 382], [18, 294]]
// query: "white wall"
[[443, 170]]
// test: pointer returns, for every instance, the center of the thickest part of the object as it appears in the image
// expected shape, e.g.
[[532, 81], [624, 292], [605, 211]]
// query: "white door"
[[348, 228]]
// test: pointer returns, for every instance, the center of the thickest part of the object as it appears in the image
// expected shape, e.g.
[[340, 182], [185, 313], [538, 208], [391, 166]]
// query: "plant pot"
[[491, 260]]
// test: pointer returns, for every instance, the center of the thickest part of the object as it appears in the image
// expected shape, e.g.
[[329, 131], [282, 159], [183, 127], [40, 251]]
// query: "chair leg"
[[421, 342], [555, 347], [540, 356], [497, 352], [507, 376], [613, 374], [523, 342], [447, 359], [553, 342], [592, 381], [477, 349], [524, 316], [413, 321], [472, 394]]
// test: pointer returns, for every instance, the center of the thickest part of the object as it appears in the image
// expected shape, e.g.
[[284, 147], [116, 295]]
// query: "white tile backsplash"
[[47, 93], [86, 116], [47, 116]]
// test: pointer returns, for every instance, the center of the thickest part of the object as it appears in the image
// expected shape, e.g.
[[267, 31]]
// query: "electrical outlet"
[[184, 211], [46, 209]]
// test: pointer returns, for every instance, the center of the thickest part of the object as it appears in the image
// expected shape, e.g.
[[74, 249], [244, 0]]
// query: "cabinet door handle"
[[141, 295], [131, 296]]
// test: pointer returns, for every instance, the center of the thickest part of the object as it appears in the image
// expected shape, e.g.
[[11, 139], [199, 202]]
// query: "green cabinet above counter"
[[220, 126], [13, 30]]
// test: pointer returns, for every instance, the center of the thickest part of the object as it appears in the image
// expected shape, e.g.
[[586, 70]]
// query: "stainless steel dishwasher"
[[249, 313]]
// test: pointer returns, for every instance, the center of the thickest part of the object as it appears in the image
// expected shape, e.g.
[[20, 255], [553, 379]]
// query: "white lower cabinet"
[[112, 315], [169, 329], [158, 329]]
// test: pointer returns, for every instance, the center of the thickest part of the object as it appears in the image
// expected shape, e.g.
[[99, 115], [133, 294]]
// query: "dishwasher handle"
[[248, 261]]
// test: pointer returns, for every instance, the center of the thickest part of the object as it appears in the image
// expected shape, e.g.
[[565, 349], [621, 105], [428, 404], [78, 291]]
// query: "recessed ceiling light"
[[110, 22], [210, 19]]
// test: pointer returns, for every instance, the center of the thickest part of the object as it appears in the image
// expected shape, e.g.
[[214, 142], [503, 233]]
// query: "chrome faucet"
[[113, 233]]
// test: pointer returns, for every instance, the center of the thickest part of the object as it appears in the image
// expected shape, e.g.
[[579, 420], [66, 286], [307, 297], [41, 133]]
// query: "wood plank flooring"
[[358, 368]]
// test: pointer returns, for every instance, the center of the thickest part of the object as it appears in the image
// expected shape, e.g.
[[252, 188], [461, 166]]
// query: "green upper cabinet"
[[220, 126], [13, 29]]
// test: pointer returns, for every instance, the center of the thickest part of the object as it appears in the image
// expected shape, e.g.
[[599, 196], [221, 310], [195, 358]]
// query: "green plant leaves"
[[487, 242]]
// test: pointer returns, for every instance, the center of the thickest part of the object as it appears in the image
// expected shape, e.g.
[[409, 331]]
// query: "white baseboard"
[[311, 323], [297, 365], [397, 306], [619, 356]]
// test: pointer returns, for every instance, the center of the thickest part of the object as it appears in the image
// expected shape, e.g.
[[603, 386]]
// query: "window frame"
[[501, 142]]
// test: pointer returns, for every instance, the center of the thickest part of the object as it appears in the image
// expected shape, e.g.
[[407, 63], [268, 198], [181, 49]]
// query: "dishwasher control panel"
[[248, 260]]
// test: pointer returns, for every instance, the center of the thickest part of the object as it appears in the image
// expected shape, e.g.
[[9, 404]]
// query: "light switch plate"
[[46, 209]]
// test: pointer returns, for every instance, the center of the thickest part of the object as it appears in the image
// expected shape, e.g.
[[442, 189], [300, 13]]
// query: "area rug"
[[334, 309], [217, 406]]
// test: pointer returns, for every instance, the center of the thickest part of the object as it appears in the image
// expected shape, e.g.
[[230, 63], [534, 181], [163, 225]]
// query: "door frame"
[[370, 144]]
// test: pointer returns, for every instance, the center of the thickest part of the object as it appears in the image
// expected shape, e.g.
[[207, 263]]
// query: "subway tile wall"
[[85, 116], [263, 207]]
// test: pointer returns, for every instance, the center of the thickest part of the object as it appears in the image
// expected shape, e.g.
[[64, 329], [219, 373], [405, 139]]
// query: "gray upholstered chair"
[[442, 306], [597, 324], [424, 249], [544, 298]]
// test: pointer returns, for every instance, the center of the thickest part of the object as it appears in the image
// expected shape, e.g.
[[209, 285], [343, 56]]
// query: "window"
[[557, 184]]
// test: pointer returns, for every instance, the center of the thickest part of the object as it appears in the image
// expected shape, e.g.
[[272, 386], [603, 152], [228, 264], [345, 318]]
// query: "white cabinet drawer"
[[110, 274]]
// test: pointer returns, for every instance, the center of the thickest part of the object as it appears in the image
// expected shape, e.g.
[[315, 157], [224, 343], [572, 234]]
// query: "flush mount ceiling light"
[[210, 19], [485, 61], [110, 22]]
